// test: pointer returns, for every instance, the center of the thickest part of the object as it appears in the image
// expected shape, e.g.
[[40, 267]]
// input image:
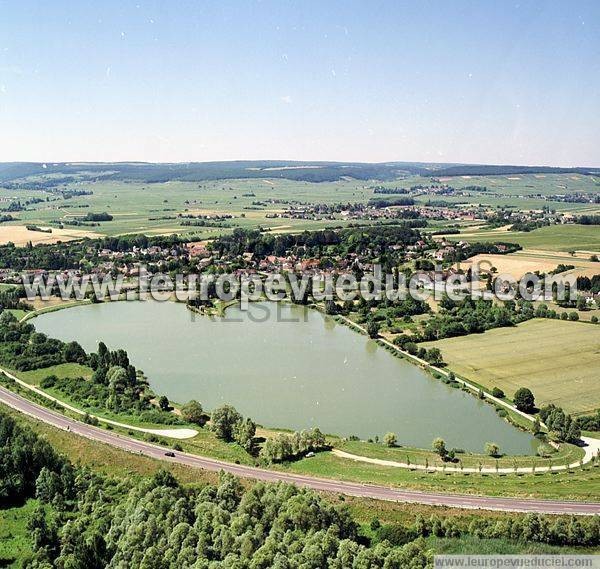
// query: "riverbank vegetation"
[[104, 380]]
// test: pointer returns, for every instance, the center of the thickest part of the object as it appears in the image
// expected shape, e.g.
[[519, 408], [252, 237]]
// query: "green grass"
[[15, 540], [553, 238], [566, 454], [105, 458], [557, 360], [61, 370], [137, 207], [470, 545], [580, 484], [18, 313]]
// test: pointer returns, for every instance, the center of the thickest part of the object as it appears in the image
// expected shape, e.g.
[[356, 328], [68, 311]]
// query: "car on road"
[[171, 454]]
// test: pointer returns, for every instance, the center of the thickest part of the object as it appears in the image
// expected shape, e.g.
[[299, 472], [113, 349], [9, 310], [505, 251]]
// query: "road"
[[349, 488]]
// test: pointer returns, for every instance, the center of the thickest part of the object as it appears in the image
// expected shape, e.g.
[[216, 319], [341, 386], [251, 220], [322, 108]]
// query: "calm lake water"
[[286, 366]]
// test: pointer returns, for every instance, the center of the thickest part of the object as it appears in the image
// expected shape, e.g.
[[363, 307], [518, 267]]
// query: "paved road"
[[348, 488]]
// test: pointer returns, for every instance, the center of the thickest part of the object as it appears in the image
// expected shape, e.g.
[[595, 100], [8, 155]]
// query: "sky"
[[448, 81]]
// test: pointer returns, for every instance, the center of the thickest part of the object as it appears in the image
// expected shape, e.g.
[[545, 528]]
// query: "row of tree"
[[284, 447]]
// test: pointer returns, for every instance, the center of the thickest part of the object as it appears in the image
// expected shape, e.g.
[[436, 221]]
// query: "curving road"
[[349, 488]]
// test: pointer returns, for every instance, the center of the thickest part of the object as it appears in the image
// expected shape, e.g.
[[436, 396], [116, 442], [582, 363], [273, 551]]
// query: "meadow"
[[531, 260], [557, 360], [152, 208], [558, 238]]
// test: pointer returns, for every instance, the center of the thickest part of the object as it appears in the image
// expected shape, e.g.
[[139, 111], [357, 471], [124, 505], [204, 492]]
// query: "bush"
[[497, 392], [390, 439], [373, 329], [192, 412], [524, 400], [48, 381], [544, 450]]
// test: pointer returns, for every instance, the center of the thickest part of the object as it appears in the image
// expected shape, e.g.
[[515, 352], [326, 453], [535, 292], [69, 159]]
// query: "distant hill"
[[146, 172], [490, 170]]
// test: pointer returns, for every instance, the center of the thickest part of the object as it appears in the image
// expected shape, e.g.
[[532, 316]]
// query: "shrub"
[[545, 450], [524, 400], [192, 412], [390, 439]]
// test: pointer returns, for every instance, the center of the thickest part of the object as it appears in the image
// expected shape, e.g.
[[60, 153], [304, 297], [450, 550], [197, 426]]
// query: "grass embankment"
[[44, 307], [34, 377], [566, 454], [577, 484], [105, 458]]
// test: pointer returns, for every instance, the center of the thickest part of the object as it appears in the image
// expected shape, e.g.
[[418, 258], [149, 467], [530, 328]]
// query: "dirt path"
[[591, 449]]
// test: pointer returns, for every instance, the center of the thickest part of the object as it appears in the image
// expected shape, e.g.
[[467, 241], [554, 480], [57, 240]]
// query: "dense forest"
[[85, 520], [375, 240]]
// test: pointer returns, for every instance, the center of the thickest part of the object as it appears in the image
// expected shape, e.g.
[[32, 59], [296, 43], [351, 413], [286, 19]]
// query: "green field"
[[557, 360], [61, 370], [553, 238], [139, 207]]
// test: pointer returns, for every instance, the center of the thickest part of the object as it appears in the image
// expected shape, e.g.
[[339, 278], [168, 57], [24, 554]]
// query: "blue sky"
[[489, 82]]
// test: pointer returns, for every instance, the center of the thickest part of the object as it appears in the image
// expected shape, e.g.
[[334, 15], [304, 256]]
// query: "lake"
[[286, 366]]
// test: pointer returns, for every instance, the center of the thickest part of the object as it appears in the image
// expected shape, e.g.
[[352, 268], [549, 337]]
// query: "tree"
[[163, 403], [73, 352], [47, 485], [390, 439], [117, 381], [192, 412], [492, 449], [373, 329], [434, 357], [498, 393], [524, 400], [38, 528], [581, 303], [439, 446], [103, 355], [223, 422], [243, 433]]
